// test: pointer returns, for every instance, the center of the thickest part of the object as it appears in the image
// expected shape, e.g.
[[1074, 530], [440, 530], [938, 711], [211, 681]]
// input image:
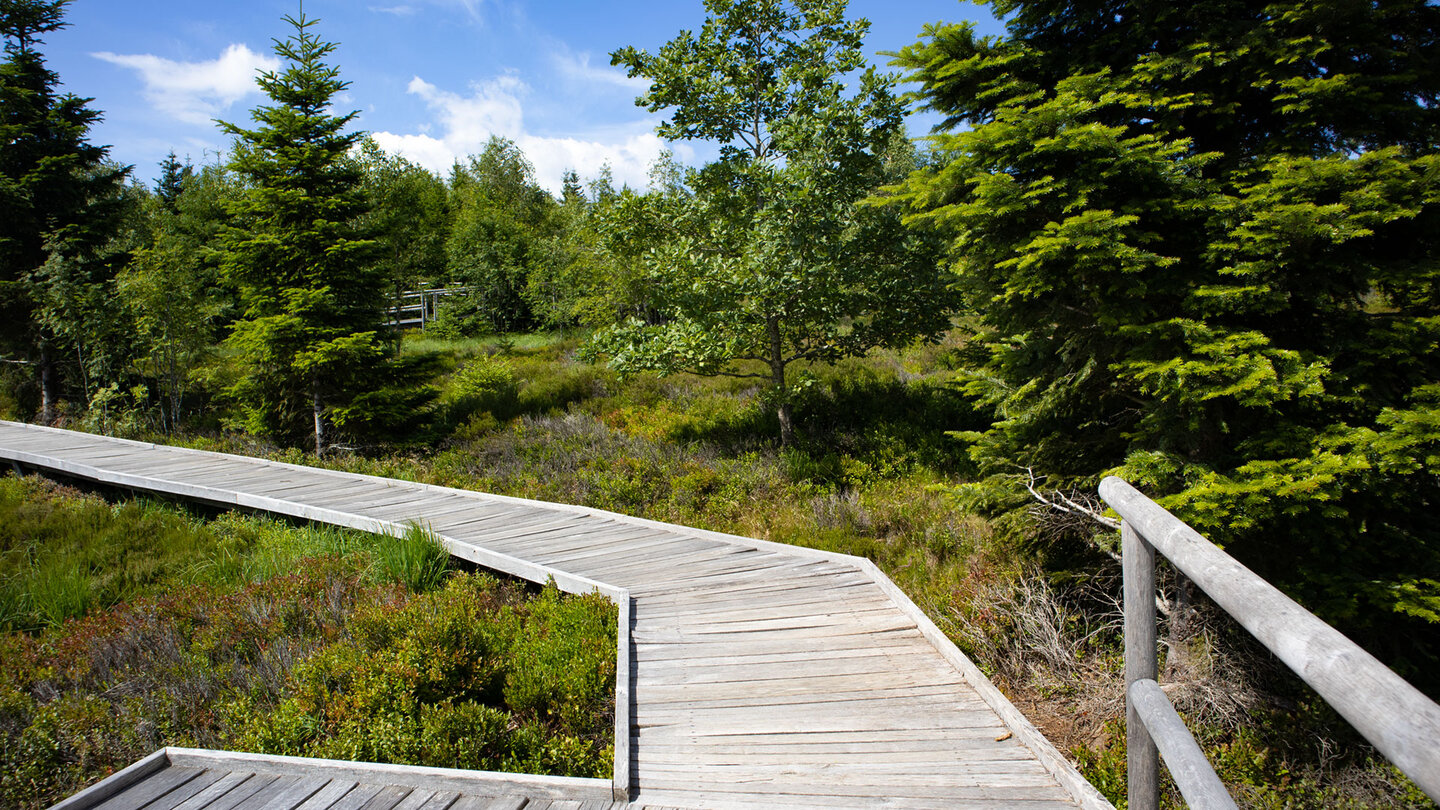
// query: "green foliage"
[[312, 296], [86, 699], [465, 677], [408, 215], [1200, 240], [485, 384], [242, 633], [764, 255], [171, 286], [64, 206], [501, 238]]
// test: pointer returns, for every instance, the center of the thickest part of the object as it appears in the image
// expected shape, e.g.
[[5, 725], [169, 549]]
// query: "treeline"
[[135, 315]]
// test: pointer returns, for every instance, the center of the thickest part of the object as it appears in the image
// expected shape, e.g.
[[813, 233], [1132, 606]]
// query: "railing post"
[[1142, 758]]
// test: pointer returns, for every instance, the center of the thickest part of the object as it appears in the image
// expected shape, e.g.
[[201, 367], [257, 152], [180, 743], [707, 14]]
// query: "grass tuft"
[[416, 559]]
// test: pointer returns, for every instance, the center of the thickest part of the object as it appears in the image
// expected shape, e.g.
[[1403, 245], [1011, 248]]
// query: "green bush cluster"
[[485, 384], [89, 697], [471, 676], [136, 625]]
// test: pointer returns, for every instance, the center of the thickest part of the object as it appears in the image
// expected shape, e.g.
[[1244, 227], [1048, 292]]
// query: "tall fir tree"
[[309, 340], [61, 204], [1202, 241], [173, 175]]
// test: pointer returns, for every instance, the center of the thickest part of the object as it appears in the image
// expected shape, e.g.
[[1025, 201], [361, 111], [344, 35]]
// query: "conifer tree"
[[173, 175], [1202, 242], [309, 339], [60, 205]]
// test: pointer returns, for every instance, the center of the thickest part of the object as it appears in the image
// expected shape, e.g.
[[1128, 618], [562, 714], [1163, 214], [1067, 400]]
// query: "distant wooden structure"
[[416, 308], [751, 674], [1394, 716]]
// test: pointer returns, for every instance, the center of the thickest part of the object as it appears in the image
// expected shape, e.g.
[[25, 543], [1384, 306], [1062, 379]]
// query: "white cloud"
[[196, 92], [470, 7], [495, 108], [577, 67]]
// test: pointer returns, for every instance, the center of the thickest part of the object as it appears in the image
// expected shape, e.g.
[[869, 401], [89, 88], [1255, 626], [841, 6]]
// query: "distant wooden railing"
[[419, 307], [1394, 716]]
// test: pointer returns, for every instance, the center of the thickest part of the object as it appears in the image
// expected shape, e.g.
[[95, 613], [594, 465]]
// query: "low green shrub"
[[485, 384], [469, 676]]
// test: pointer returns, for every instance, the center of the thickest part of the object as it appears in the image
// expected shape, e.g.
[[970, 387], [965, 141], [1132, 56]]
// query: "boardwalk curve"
[[754, 674]]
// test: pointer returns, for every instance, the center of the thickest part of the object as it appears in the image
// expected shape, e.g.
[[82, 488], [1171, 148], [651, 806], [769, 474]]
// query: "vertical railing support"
[[1142, 759]]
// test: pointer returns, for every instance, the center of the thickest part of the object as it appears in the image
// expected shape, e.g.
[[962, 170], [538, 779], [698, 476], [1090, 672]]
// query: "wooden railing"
[[419, 307], [1400, 721]]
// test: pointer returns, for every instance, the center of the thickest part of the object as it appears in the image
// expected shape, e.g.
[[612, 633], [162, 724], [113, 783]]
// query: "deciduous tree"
[[768, 258]]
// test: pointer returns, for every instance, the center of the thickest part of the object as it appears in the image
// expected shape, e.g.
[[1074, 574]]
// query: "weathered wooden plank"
[[356, 798], [233, 797], [439, 800], [212, 793], [388, 797], [116, 783], [291, 795], [150, 789], [272, 795], [473, 802], [328, 794], [184, 792]]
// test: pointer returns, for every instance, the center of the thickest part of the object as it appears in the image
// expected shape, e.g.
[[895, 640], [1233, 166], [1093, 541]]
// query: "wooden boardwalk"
[[754, 674]]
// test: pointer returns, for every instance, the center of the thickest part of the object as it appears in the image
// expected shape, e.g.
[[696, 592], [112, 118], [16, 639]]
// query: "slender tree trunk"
[[48, 384], [777, 378], [319, 410]]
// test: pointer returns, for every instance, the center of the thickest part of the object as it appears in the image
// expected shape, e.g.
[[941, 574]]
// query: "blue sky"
[[432, 79]]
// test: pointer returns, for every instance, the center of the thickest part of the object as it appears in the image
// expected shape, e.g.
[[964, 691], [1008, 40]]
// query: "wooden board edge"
[[689, 531], [1064, 771], [117, 782], [624, 714], [412, 776]]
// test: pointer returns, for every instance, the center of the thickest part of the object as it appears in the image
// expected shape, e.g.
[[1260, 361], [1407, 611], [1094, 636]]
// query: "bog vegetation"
[[136, 625], [1191, 244]]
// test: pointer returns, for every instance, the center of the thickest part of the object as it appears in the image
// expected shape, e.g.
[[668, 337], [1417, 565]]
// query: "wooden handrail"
[[1398, 719]]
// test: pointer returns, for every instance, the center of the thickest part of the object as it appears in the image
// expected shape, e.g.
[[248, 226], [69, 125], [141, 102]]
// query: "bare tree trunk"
[[784, 410], [48, 384], [319, 410]]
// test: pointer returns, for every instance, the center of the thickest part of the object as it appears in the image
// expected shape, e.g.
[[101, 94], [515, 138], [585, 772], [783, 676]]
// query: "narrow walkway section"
[[760, 674]]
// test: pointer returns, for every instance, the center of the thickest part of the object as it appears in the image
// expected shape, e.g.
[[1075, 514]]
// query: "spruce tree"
[[309, 340], [173, 175], [60, 205], [1201, 239]]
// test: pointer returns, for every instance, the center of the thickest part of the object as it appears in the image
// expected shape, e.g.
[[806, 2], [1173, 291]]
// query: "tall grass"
[[64, 553], [415, 558]]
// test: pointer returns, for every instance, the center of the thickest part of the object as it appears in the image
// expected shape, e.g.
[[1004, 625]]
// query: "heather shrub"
[[469, 676]]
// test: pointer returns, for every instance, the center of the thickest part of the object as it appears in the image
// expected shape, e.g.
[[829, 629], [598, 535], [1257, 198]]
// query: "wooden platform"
[[753, 674]]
